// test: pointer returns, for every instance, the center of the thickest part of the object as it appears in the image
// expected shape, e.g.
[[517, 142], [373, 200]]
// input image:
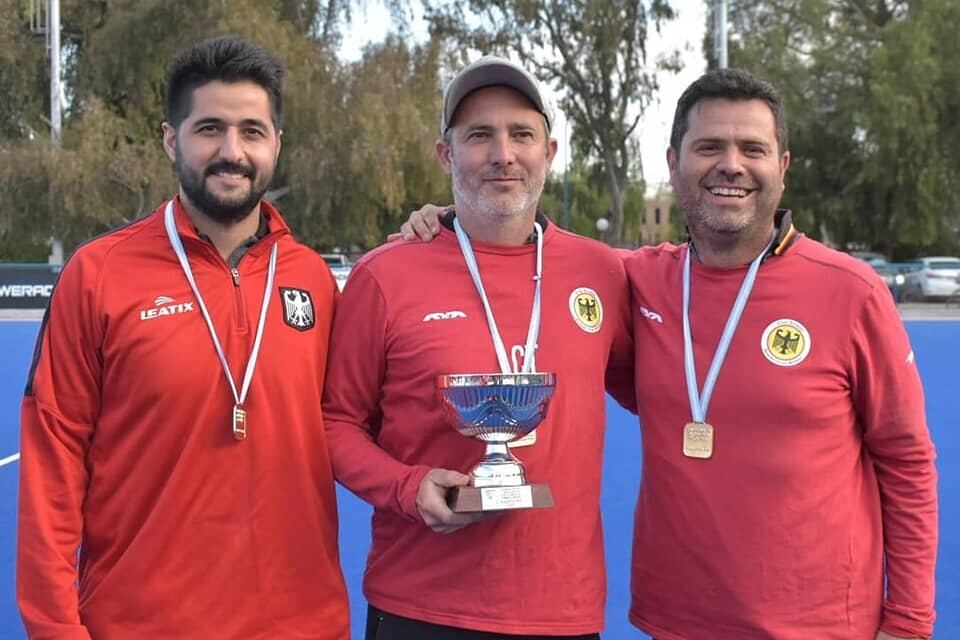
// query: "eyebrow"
[[511, 127], [246, 122], [738, 141]]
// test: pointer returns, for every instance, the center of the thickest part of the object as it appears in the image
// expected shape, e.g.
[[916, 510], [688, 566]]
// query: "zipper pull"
[[236, 276]]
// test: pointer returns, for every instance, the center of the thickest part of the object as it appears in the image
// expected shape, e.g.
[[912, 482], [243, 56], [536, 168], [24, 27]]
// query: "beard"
[[225, 210], [495, 206]]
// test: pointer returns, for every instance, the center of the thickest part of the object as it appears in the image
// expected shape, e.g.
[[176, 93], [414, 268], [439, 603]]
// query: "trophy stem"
[[498, 468], [498, 453]]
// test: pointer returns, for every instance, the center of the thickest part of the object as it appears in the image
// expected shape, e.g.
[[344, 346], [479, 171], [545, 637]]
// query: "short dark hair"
[[227, 59], [728, 84]]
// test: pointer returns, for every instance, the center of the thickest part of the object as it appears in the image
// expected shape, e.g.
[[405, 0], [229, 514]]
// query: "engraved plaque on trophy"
[[497, 408]]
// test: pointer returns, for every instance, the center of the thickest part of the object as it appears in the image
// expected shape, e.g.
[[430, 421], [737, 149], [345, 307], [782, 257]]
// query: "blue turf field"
[[937, 345]]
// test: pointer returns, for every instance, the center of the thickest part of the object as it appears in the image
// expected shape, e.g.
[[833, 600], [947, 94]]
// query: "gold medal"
[[239, 422], [698, 440]]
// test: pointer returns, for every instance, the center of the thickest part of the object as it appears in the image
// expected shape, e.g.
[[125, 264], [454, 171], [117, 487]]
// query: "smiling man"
[[174, 481], [411, 312], [788, 485]]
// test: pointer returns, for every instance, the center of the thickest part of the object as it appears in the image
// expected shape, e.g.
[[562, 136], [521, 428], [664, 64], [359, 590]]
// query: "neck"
[[729, 252], [226, 238], [511, 231]]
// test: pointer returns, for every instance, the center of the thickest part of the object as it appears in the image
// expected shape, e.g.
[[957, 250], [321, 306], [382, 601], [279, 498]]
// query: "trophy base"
[[474, 499]]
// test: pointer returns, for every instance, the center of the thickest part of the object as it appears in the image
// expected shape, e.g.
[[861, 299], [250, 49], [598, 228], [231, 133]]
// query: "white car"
[[340, 267], [932, 277]]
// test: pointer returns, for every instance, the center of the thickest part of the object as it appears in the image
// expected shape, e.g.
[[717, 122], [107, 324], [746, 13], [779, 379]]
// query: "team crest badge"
[[785, 342], [586, 308], [297, 308]]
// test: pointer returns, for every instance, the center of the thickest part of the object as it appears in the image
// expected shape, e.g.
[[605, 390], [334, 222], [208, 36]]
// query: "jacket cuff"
[[407, 498]]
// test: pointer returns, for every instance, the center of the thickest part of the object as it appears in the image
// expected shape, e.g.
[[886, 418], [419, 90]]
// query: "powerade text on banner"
[[26, 286]]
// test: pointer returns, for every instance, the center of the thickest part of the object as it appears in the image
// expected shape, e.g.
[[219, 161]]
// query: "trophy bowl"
[[497, 408]]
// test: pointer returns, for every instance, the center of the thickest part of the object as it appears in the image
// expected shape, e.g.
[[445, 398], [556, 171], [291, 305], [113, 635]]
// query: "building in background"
[[655, 227]]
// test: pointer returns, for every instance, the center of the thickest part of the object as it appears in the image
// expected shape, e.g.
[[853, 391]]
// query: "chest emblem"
[[785, 342], [586, 309], [297, 308]]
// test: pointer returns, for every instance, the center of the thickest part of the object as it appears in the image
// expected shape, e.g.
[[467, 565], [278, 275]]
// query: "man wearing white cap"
[[433, 573]]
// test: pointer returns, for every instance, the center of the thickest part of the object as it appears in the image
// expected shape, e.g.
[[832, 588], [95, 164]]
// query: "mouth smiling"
[[229, 176], [231, 172], [730, 192]]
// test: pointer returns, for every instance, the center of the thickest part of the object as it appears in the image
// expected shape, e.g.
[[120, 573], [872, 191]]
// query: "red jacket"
[[127, 452]]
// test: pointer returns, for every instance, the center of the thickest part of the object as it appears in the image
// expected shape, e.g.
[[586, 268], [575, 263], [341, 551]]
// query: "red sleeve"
[[351, 401], [60, 407], [889, 403], [619, 379]]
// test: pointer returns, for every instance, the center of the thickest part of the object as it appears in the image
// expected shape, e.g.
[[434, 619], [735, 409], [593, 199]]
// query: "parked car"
[[933, 277], [892, 273]]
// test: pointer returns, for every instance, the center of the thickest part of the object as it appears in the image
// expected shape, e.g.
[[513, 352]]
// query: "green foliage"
[[357, 141], [872, 89], [366, 157], [589, 200]]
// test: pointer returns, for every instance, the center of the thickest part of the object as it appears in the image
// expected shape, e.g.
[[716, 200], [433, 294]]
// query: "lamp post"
[[720, 32], [602, 225]]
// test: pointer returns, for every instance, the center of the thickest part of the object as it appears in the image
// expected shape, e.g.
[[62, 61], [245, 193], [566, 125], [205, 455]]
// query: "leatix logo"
[[165, 306]]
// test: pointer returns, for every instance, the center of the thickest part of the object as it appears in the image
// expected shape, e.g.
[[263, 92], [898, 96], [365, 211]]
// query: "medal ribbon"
[[177, 245], [698, 402], [533, 331]]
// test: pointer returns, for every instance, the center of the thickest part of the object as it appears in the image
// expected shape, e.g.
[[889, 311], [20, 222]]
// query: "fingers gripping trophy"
[[499, 408]]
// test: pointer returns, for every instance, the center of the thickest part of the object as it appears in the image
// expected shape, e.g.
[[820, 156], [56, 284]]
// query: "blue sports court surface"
[[937, 346]]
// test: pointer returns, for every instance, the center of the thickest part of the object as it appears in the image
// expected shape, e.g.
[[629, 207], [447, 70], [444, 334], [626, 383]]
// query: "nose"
[[231, 145], [730, 162], [502, 151]]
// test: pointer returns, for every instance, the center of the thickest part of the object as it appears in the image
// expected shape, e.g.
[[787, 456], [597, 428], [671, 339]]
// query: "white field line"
[[5, 461]]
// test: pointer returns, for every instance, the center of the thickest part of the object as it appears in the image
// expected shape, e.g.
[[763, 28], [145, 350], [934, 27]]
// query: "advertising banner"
[[27, 286]]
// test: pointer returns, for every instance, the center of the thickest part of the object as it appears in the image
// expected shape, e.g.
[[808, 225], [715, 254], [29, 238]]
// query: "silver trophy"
[[497, 408]]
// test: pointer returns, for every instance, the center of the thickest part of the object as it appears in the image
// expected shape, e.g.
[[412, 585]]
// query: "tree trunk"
[[617, 189]]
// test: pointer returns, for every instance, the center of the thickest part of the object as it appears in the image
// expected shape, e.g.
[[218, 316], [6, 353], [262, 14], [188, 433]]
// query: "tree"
[[357, 138], [365, 160], [592, 51]]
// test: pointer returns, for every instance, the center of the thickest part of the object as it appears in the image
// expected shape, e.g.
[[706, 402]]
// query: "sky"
[[684, 33]]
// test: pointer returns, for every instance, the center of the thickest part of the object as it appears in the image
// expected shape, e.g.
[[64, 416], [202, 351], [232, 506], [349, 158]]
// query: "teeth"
[[728, 191]]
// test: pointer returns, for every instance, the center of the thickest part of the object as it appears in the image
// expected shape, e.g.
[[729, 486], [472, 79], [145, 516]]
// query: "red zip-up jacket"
[[140, 515]]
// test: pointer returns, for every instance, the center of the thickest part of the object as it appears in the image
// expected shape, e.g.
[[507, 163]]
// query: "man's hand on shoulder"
[[432, 501], [423, 224]]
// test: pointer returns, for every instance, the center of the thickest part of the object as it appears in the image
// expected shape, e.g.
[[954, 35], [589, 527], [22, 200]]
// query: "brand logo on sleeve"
[[785, 342], [297, 308], [165, 306], [651, 315], [586, 309]]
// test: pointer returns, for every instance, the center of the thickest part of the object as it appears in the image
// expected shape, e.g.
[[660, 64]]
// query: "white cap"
[[491, 71]]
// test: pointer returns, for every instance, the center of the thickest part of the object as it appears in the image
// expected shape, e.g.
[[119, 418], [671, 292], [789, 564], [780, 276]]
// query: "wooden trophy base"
[[474, 499]]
